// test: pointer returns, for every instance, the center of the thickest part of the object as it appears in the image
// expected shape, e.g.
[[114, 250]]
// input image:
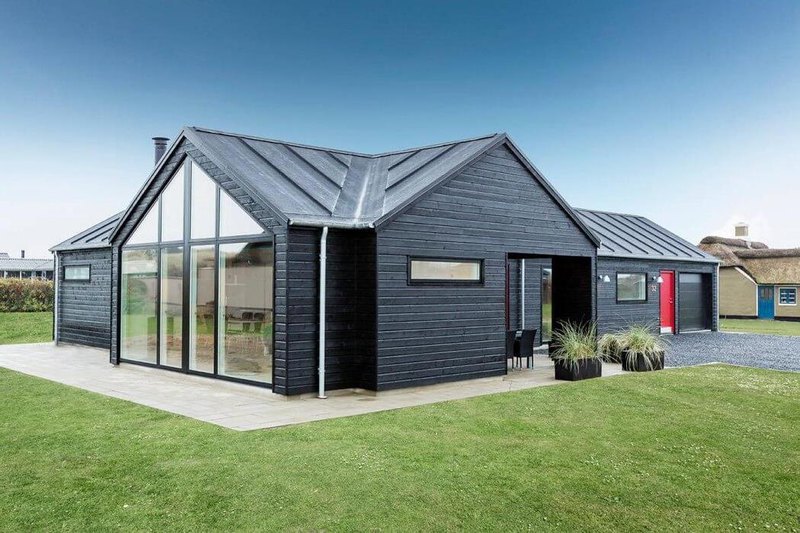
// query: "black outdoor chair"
[[525, 350], [511, 345]]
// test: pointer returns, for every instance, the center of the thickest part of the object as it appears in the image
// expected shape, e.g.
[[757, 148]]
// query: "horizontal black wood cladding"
[[84, 307], [436, 333], [613, 316], [350, 316]]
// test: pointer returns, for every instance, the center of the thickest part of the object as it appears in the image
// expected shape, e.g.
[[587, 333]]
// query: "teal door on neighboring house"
[[766, 302]]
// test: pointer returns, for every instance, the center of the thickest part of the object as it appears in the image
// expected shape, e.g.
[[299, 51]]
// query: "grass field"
[[772, 327], [697, 449], [19, 328]]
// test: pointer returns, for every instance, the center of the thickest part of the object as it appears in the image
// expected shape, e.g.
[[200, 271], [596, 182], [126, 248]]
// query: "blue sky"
[[685, 112]]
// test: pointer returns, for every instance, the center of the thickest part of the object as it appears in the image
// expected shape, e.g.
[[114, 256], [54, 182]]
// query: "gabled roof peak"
[[339, 150], [311, 186]]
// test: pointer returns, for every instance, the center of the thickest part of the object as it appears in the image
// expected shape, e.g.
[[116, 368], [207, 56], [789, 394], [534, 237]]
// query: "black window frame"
[[616, 288], [267, 235], [446, 282], [77, 280]]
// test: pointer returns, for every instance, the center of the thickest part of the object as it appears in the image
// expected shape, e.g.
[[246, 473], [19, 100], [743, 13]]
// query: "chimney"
[[22, 254], [160, 147], [741, 230]]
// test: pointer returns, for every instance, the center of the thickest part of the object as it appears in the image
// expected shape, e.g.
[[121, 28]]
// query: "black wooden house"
[[288, 265]]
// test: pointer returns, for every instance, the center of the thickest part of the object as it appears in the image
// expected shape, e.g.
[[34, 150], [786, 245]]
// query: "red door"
[[667, 301]]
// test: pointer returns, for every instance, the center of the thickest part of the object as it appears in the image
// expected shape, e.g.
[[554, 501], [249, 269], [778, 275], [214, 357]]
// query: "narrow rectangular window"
[[430, 270], [631, 287], [787, 296], [77, 273]]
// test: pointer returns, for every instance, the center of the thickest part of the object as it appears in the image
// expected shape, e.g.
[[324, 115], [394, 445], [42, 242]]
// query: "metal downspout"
[[323, 260], [522, 295], [55, 299]]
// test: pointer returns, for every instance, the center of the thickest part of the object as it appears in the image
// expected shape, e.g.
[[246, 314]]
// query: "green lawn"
[[699, 449], [772, 327], [18, 328]]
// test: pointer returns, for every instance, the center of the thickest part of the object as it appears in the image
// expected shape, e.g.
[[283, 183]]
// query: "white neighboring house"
[[22, 267]]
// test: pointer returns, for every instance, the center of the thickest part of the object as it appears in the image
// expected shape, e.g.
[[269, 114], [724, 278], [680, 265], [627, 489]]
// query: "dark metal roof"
[[13, 264], [634, 236], [324, 186], [312, 186], [95, 237]]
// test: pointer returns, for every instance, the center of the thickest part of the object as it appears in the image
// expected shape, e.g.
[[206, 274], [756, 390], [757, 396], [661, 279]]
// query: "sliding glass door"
[[197, 278], [171, 317], [202, 309], [245, 310], [139, 287]]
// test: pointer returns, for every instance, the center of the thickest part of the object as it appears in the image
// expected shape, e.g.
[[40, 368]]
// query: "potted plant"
[[610, 347], [576, 355], [643, 350]]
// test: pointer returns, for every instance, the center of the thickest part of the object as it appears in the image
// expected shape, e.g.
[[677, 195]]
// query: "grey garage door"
[[693, 302]]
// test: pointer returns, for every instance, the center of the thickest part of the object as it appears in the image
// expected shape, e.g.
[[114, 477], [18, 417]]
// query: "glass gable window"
[[204, 204], [172, 208], [787, 296], [631, 287], [147, 230], [445, 270], [197, 290], [233, 220]]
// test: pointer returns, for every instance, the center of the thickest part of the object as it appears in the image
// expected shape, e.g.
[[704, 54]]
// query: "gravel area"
[[746, 349]]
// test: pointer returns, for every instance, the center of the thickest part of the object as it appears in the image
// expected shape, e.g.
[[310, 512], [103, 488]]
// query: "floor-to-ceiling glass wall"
[[245, 310], [139, 302], [202, 308], [171, 332], [197, 284]]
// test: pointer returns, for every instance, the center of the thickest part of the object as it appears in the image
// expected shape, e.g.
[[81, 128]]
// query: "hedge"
[[25, 295]]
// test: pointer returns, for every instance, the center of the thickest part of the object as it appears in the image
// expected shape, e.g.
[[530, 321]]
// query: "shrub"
[[25, 295]]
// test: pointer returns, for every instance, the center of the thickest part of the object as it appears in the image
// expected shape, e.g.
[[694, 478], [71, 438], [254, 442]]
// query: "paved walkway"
[[236, 406], [776, 352]]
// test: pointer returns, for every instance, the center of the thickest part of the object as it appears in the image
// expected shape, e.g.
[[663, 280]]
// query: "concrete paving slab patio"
[[236, 406]]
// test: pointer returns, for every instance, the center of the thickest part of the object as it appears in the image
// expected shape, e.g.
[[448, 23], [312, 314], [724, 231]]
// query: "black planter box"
[[586, 369], [640, 365]]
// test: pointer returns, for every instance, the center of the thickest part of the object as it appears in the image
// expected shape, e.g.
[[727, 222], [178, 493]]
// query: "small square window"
[[787, 296], [77, 273], [631, 287]]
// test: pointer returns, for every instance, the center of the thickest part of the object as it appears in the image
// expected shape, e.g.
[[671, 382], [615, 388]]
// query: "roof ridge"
[[338, 150], [277, 141], [437, 145], [602, 211]]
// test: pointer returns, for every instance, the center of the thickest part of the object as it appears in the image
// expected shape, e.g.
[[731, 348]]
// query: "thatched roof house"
[[749, 267]]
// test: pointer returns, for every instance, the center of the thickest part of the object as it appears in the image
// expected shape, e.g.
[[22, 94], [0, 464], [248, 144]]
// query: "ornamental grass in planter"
[[576, 356], [643, 350], [610, 347]]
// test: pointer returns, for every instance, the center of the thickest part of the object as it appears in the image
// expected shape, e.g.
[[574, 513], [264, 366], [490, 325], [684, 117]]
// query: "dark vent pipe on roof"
[[160, 147]]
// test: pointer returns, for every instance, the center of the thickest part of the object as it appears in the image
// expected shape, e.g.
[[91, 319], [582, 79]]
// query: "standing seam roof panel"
[[637, 237]]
